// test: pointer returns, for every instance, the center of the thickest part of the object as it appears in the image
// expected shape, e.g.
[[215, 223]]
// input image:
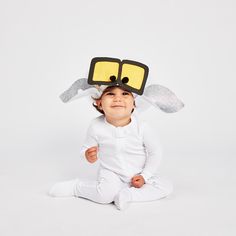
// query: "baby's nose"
[[117, 98]]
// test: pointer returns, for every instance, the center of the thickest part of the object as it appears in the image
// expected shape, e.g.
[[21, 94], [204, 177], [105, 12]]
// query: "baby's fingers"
[[92, 149], [92, 159], [92, 153]]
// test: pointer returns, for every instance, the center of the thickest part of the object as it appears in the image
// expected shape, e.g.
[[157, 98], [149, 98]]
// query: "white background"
[[189, 47]]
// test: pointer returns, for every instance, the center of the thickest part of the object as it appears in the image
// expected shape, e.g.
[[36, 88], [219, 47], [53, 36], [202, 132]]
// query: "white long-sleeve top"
[[129, 150]]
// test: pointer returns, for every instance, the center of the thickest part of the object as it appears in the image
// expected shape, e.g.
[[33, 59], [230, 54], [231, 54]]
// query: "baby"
[[128, 151]]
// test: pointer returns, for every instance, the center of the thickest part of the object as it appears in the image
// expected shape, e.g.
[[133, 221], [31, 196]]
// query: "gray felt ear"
[[80, 84], [163, 98]]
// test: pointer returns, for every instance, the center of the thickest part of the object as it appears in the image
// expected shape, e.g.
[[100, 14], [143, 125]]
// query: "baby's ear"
[[99, 104]]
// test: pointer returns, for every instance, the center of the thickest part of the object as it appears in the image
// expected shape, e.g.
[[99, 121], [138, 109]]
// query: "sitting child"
[[129, 153]]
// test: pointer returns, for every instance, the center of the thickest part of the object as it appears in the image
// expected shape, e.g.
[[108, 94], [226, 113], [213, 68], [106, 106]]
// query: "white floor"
[[203, 202]]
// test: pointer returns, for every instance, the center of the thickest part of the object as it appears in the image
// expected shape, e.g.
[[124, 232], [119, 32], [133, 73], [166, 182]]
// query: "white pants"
[[109, 184]]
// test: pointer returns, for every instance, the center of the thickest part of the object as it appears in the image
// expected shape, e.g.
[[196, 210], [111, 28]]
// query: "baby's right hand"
[[91, 154]]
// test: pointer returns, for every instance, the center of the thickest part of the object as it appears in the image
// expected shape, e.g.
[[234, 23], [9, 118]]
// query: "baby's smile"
[[117, 106]]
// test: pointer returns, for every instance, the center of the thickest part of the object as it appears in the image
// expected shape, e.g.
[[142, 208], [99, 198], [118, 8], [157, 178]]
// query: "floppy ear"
[[160, 97], [79, 88], [163, 98]]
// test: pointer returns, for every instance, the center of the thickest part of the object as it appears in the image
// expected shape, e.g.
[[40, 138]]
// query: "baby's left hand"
[[137, 181]]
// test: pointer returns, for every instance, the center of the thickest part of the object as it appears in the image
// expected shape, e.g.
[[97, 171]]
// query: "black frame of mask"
[[118, 81]]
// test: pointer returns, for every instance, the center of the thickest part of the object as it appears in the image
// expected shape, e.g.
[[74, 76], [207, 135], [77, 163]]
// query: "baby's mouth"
[[117, 106]]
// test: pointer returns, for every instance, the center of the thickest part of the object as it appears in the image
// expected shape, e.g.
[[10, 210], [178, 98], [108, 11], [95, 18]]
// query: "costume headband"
[[130, 75]]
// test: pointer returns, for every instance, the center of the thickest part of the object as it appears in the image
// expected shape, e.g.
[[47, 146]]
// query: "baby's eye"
[[110, 94], [126, 93]]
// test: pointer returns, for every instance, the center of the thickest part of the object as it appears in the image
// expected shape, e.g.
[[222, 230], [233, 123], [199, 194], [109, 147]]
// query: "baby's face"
[[117, 104]]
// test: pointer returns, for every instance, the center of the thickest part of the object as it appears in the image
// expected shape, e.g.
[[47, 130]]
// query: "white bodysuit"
[[123, 152]]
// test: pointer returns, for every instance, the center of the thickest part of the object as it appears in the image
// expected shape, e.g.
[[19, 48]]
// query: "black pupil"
[[125, 80], [112, 78]]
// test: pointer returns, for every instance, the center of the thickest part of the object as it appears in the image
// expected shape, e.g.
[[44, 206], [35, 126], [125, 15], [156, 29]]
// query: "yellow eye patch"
[[135, 75], [103, 71]]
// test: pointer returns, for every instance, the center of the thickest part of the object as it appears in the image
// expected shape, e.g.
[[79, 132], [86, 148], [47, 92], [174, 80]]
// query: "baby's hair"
[[108, 89]]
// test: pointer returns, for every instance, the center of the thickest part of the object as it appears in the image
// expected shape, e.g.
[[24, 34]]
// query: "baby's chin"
[[119, 115]]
